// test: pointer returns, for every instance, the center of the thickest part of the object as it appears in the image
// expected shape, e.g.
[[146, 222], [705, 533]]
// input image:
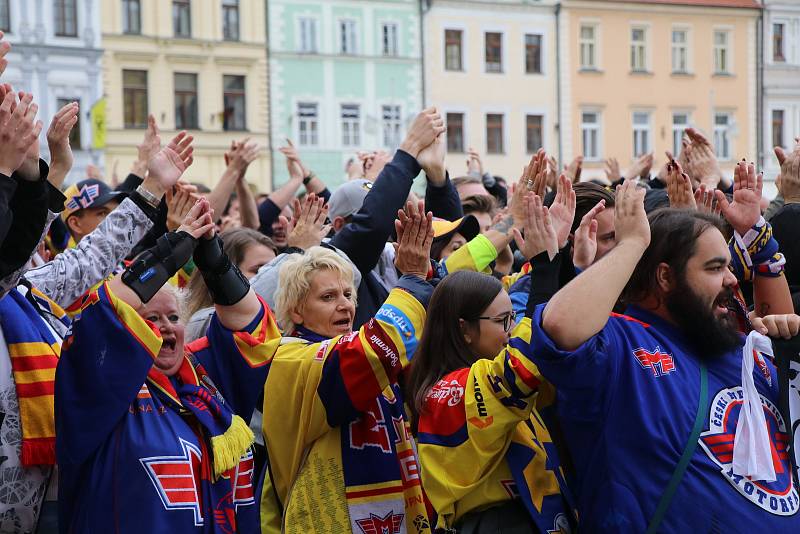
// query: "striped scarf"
[[34, 351]]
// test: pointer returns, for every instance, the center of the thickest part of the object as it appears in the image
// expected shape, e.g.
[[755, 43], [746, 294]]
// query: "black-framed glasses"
[[507, 318]]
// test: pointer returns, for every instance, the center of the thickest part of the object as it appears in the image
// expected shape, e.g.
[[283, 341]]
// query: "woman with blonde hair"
[[334, 424]]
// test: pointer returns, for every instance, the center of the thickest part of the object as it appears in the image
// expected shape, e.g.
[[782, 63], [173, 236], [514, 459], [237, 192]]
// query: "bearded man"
[[650, 401]]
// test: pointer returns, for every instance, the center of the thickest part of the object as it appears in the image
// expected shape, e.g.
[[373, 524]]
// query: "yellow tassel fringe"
[[229, 447]]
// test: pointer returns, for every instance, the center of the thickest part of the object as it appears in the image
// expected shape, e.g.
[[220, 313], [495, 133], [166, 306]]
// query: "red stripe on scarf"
[[36, 389], [34, 362]]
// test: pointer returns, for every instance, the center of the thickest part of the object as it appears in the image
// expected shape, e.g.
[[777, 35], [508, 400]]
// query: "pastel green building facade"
[[345, 76]]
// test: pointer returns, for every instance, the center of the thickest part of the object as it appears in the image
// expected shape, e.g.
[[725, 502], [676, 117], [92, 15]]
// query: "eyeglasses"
[[507, 318]]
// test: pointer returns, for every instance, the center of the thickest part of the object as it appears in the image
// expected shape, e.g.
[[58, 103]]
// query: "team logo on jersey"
[[778, 497], [388, 524], [451, 392], [660, 363], [177, 479]]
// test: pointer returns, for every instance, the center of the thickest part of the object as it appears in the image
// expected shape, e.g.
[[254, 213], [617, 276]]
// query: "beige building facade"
[[490, 67], [637, 73], [198, 65]]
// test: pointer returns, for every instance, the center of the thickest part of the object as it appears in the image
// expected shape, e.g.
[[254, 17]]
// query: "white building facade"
[[56, 54], [781, 84]]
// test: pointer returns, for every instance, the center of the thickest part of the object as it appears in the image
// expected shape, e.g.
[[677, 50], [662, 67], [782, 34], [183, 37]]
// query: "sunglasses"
[[507, 319]]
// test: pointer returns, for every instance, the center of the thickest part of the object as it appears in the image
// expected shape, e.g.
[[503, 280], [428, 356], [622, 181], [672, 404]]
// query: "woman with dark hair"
[[487, 460]]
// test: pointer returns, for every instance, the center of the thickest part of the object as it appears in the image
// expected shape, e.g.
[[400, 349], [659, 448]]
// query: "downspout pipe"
[[423, 8], [269, 101], [760, 115], [558, 85]]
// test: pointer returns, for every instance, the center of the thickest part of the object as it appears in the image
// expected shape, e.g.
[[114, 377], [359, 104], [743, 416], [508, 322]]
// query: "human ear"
[[465, 331], [664, 277]]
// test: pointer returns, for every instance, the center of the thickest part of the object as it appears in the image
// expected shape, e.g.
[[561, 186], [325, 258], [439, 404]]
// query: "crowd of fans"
[[551, 355]]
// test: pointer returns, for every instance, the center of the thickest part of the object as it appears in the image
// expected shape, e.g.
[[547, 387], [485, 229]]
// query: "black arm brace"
[[224, 280], [152, 268]]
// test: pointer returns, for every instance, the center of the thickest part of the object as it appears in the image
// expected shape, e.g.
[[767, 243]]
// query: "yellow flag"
[[98, 116]]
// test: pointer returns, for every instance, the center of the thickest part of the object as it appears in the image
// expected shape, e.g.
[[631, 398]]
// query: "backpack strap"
[[688, 451]]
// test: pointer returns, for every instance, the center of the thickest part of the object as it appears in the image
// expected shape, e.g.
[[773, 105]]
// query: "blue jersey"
[[129, 455], [627, 399]]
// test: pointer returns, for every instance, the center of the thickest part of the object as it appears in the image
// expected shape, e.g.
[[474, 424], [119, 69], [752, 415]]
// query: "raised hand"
[[58, 141], [551, 173], [199, 221], [427, 125], [308, 227], [745, 210], [612, 170], [242, 154], [5, 48], [679, 188], [573, 170], [169, 163], [562, 211], [702, 164], [533, 179], [788, 181], [706, 201], [179, 204], [19, 134], [640, 168], [474, 164], [538, 234], [414, 230], [585, 245], [630, 220], [297, 171], [431, 159], [149, 147], [376, 161]]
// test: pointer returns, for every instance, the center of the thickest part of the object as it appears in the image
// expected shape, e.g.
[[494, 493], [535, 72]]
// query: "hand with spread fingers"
[[308, 227], [242, 154], [414, 230], [179, 203], [640, 168], [745, 210], [573, 170], [705, 201], [679, 187], [612, 170], [169, 163], [585, 245], [702, 164], [562, 211], [538, 234]]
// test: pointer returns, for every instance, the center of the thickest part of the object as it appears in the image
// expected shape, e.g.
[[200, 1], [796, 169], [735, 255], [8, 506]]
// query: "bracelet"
[[149, 197], [755, 252], [308, 178]]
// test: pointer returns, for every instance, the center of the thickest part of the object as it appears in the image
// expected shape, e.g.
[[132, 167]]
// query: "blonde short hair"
[[294, 280]]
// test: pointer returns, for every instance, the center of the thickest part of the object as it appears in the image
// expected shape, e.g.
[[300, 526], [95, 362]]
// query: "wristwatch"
[[148, 197]]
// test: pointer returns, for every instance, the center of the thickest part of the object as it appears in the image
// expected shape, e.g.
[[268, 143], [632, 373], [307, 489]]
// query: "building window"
[[347, 36], [721, 52], [494, 133], [307, 124], [308, 35], [588, 46], [186, 101], [680, 51], [234, 102], [351, 125], [680, 121], [722, 141], [494, 51], [66, 18], [641, 133], [389, 39], [131, 17], [230, 20], [778, 43], [777, 127], [455, 132], [392, 126], [533, 53], [638, 49], [75, 133], [182, 18], [5, 16], [452, 50], [533, 132], [590, 133], [134, 98]]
